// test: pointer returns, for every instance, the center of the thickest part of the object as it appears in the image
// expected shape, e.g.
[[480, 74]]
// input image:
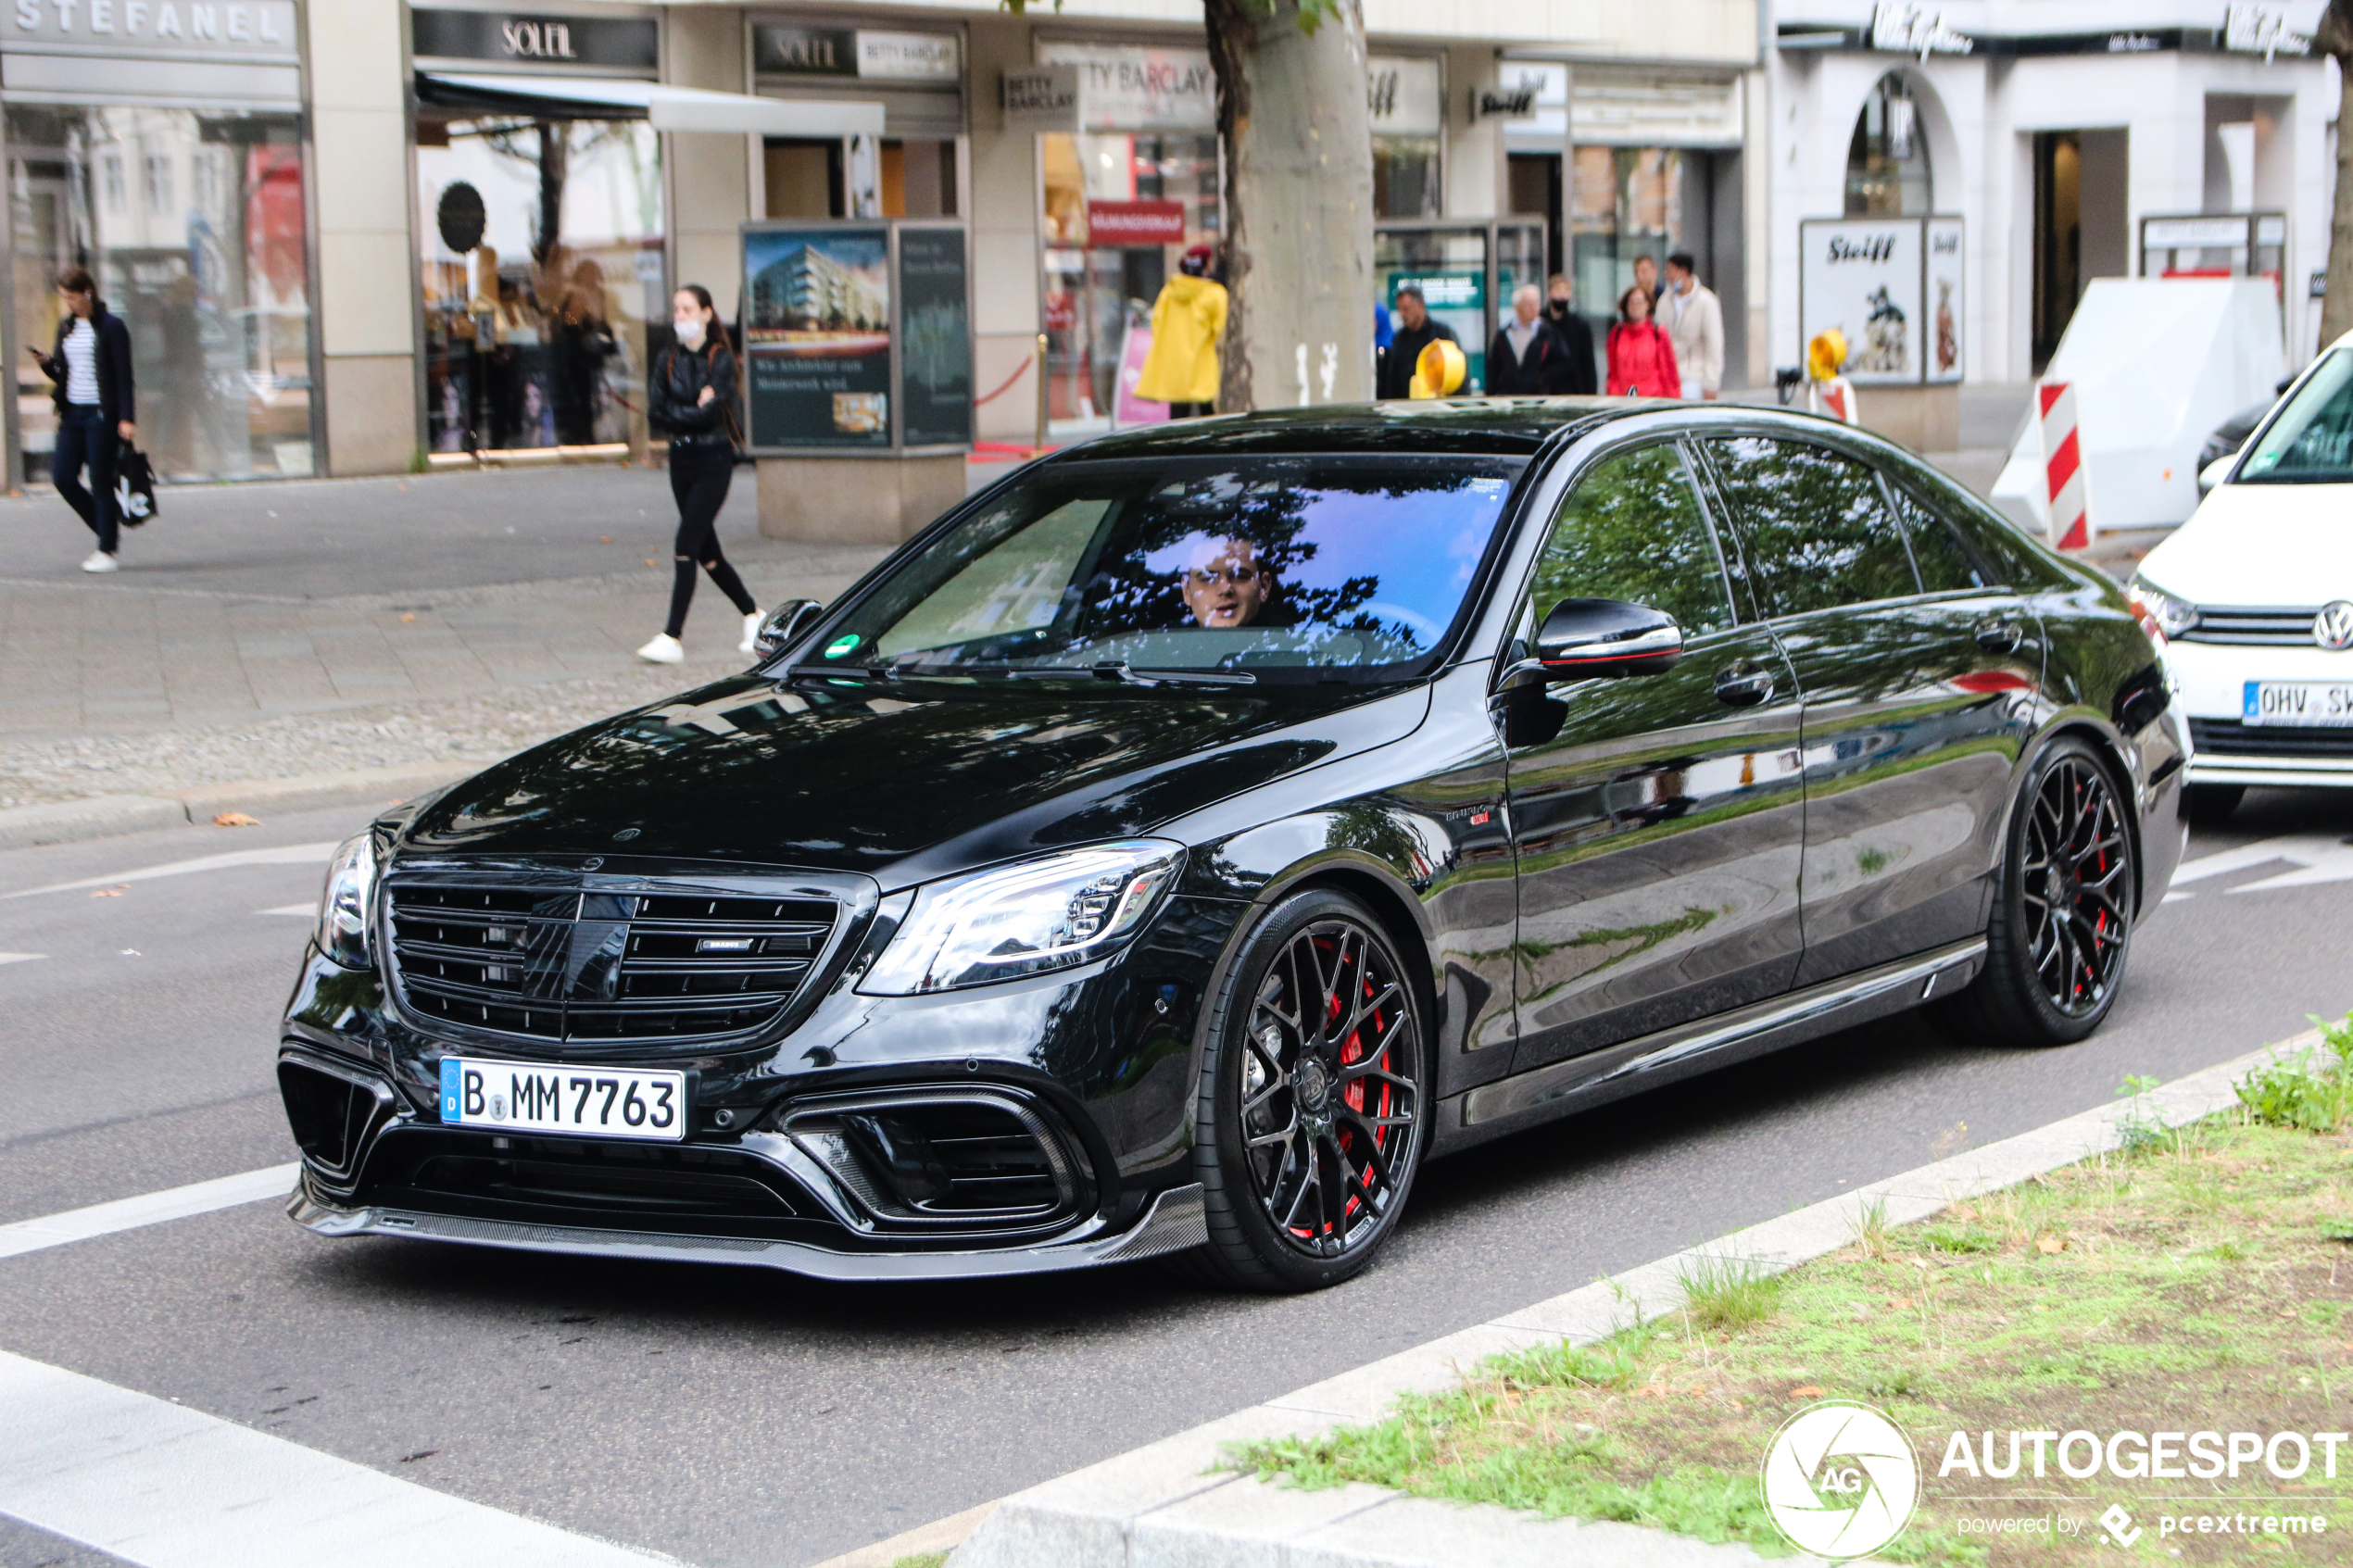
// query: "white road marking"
[[148, 1209], [165, 1486], [21, 957], [2178, 898], [284, 855], [2320, 857], [305, 910]]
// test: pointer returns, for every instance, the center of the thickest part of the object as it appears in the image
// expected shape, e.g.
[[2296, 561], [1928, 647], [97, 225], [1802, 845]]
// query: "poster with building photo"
[[1942, 301], [1862, 277], [817, 336]]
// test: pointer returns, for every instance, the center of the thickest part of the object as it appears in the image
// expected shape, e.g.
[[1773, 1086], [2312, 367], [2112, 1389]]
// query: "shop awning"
[[664, 107]]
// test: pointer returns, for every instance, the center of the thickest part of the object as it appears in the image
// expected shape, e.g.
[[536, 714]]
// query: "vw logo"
[[2332, 627]]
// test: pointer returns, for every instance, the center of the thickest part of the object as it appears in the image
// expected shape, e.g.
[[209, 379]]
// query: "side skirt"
[[1671, 1055]]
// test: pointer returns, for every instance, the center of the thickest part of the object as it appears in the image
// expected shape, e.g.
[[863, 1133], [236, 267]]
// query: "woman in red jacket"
[[1641, 356]]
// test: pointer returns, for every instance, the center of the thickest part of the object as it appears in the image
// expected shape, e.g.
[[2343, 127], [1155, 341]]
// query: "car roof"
[[1448, 426]]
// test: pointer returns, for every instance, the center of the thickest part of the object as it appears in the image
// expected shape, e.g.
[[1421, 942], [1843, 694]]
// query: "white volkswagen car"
[[2255, 594]]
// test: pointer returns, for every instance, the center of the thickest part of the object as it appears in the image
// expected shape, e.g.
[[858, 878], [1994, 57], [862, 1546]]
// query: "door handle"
[[1744, 685], [1999, 636]]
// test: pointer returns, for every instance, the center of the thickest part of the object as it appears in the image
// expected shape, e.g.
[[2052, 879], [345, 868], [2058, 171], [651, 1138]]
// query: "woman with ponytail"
[[693, 398]]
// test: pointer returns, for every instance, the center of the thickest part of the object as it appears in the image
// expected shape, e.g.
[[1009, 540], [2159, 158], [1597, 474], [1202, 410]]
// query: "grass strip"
[[2196, 1280]]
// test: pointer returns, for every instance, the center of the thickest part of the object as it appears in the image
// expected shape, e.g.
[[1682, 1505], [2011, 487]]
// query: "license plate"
[[605, 1102], [2299, 703]]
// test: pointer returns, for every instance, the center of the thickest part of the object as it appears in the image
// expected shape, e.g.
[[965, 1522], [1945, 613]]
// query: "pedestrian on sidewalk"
[[1694, 317], [90, 366], [1181, 369], [1641, 356], [1560, 313], [693, 389], [1416, 329], [1528, 357]]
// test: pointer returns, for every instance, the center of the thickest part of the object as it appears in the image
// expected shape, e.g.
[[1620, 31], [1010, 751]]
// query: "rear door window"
[[1817, 530], [1945, 567]]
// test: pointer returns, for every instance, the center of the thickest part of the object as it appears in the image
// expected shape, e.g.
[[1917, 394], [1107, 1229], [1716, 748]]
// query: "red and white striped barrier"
[[2070, 517]]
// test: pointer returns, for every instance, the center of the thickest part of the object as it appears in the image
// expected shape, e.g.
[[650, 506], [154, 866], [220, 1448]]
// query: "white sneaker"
[[751, 631], [100, 561], [663, 649]]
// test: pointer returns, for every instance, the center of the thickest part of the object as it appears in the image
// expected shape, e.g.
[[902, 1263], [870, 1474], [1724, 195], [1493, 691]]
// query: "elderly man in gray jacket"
[[1693, 318]]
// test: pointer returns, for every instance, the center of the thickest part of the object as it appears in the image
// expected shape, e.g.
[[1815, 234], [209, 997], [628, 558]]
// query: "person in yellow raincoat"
[[1187, 318]]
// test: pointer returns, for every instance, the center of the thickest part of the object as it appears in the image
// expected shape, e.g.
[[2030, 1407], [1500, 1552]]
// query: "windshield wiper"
[[1127, 675]]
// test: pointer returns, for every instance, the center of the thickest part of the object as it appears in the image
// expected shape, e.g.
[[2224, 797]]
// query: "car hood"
[[903, 783], [2261, 545]]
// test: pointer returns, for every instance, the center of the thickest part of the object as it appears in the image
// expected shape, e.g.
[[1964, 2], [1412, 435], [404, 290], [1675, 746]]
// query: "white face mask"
[[690, 329]]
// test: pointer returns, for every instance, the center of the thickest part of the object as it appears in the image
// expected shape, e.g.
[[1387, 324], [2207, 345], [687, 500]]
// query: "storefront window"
[[1887, 173], [543, 269], [1120, 210], [192, 223], [1405, 177], [1625, 203]]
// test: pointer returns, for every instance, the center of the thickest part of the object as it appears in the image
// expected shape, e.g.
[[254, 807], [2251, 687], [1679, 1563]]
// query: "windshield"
[[1264, 567], [2311, 442]]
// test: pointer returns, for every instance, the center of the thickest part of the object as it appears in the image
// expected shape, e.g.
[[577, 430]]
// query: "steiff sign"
[[525, 38]]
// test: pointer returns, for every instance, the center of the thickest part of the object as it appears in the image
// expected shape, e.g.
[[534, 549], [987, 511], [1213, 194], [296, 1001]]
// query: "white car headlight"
[[1052, 913], [342, 905], [2173, 616]]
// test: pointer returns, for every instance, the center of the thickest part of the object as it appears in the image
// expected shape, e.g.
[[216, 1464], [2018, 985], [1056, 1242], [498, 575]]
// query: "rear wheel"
[[2208, 804], [2062, 919], [1312, 1102]]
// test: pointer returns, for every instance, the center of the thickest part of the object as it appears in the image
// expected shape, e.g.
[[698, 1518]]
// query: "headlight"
[[1053, 912], [343, 906], [2172, 616]]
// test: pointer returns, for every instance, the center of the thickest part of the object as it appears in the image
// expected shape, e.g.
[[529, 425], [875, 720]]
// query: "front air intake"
[[969, 1158]]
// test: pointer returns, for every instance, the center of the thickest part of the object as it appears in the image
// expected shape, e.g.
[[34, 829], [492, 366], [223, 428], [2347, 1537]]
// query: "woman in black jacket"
[[95, 407], [693, 398]]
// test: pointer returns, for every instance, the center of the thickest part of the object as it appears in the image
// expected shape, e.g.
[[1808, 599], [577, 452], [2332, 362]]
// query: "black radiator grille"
[[558, 964], [2268, 627], [2228, 738]]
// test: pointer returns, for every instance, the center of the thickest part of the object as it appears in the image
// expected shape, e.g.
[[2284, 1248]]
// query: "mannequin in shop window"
[[1181, 367]]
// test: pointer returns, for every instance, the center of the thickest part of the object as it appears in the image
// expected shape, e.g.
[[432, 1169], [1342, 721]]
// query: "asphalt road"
[[737, 1417]]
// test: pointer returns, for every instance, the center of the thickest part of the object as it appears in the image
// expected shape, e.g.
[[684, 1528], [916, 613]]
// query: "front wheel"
[[1313, 1100], [2062, 919]]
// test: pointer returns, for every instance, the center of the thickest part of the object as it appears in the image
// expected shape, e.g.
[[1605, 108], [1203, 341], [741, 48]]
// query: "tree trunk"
[[1291, 113], [2334, 37]]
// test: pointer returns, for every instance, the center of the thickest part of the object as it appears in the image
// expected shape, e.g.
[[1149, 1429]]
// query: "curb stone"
[[1169, 1505], [108, 816]]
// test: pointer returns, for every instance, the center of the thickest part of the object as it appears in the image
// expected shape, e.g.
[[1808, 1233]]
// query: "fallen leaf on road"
[[1808, 1392], [604, 538], [110, 892], [235, 820], [2050, 1244], [649, 560]]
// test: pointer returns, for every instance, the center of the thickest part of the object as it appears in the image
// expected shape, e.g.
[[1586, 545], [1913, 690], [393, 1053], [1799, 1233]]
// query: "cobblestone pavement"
[[265, 631]]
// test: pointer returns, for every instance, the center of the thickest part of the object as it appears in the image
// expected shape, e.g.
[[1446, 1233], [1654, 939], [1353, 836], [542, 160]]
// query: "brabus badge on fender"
[[2332, 627]]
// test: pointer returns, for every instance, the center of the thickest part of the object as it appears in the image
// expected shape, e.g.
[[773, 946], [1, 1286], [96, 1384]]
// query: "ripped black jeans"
[[699, 476]]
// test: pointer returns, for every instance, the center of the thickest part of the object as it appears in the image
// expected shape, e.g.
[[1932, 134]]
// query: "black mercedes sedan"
[[1175, 846]]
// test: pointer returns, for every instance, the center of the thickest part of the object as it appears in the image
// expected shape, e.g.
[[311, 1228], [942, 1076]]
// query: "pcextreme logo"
[[1840, 1480]]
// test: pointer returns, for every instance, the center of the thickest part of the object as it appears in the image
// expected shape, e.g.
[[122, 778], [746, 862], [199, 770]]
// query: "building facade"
[[2071, 139]]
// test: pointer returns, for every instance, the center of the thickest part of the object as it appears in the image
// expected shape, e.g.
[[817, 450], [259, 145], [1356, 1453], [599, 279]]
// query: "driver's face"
[[1226, 589]]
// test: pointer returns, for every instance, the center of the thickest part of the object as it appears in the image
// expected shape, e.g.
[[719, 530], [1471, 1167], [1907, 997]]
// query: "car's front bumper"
[[1172, 1223], [2211, 680]]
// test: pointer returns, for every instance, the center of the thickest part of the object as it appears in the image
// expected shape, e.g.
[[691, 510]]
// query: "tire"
[[2062, 921], [2210, 804], [1339, 1119]]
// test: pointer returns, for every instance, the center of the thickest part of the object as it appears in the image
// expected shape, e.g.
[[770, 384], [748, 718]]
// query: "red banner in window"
[[1135, 223]]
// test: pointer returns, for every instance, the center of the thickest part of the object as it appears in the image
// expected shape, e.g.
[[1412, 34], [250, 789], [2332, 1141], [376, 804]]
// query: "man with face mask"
[[1580, 377]]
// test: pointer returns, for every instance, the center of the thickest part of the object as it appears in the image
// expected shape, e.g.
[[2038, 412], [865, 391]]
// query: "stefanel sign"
[[1135, 223], [235, 28]]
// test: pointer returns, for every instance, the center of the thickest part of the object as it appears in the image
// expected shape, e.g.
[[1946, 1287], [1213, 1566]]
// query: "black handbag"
[[134, 486]]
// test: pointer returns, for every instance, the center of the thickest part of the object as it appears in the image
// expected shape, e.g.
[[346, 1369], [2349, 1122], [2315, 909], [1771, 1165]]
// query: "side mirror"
[[1583, 638], [2215, 472], [781, 626]]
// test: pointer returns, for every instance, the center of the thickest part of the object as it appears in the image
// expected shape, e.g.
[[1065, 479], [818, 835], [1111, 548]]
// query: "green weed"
[[1727, 1294], [1961, 1238], [2289, 1094]]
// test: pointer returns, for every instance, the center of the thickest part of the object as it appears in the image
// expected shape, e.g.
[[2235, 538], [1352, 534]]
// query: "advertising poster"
[[1862, 276], [1943, 300], [934, 339], [1135, 347], [817, 336]]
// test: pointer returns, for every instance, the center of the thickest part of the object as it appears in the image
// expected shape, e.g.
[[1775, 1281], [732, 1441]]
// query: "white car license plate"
[[2299, 703], [605, 1103]]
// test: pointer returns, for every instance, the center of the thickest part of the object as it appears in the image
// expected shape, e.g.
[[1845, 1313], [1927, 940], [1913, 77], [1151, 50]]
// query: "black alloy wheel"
[[2062, 921], [1313, 1100]]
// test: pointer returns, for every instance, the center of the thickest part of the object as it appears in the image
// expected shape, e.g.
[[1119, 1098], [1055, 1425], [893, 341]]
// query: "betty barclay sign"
[[1139, 86], [251, 29], [1893, 287]]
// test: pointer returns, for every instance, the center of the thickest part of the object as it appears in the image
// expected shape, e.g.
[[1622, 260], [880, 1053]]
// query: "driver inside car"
[[1224, 587]]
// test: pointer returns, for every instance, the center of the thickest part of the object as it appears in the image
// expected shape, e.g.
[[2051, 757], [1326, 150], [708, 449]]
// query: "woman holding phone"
[[693, 389], [90, 366]]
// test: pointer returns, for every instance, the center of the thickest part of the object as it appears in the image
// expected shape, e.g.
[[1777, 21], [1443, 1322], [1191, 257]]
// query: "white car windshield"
[[2310, 441], [1272, 566]]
